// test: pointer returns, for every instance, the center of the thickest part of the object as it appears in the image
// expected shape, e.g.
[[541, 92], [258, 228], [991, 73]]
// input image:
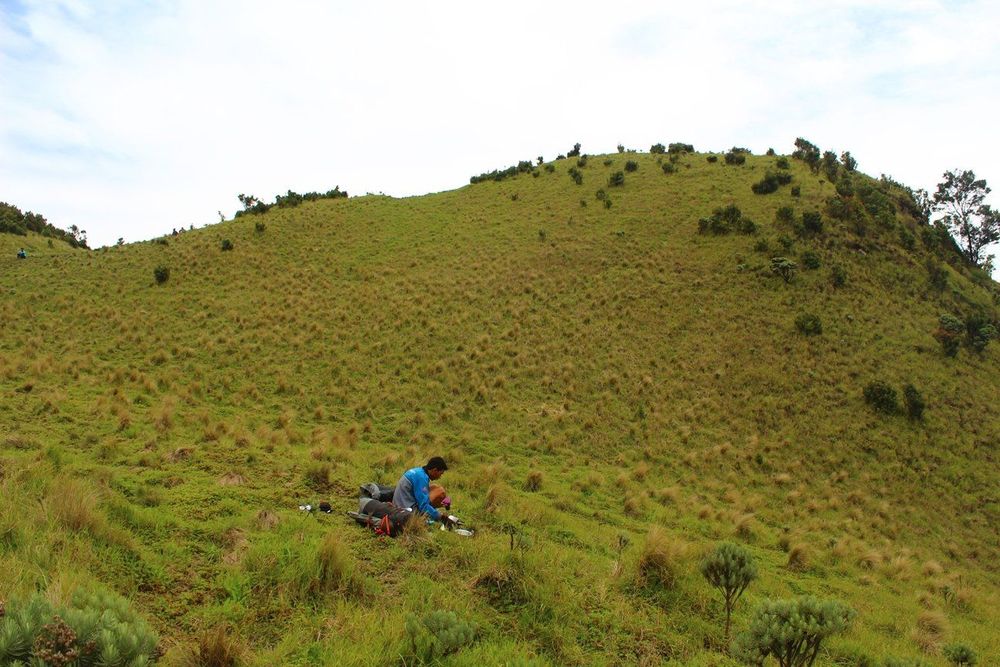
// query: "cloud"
[[130, 119]]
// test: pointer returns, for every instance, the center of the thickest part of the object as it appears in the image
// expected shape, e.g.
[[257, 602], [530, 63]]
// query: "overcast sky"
[[129, 119]]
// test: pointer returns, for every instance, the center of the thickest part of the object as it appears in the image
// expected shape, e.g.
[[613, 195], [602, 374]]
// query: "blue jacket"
[[413, 490]]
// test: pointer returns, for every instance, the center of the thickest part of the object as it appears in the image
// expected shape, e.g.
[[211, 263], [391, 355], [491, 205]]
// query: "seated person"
[[413, 488]]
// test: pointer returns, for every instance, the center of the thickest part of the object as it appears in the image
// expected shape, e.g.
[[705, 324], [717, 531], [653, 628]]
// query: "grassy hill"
[[614, 391]]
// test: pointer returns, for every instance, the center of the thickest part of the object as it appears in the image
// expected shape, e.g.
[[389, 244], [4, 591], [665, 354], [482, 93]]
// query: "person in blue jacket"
[[413, 489]]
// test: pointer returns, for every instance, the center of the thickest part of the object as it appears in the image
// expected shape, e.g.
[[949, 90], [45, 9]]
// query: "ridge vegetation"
[[667, 386]]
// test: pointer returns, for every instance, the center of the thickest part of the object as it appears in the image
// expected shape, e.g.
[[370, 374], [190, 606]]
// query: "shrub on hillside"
[[726, 220], [729, 569], [831, 167], [808, 153], [979, 331], [949, 333], [679, 147], [259, 226], [792, 631], [657, 149], [575, 152], [838, 276], [785, 215], [616, 179], [881, 397], [812, 223], [770, 183], [961, 655], [712, 158], [575, 174], [782, 163], [161, 274], [735, 157], [95, 629], [435, 635], [582, 162], [809, 324], [784, 267], [631, 165], [845, 186], [810, 260], [668, 167], [796, 191], [914, 402], [227, 245], [550, 167]]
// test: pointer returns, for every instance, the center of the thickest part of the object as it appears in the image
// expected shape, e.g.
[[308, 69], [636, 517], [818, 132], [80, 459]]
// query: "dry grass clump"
[[798, 557], [932, 568], [661, 559], [869, 559], [932, 626], [232, 479], [74, 504], [319, 476], [266, 520], [496, 497], [668, 495], [218, 647], [746, 527], [534, 480], [640, 472]]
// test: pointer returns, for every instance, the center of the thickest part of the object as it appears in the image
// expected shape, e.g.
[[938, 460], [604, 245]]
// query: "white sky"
[[129, 119]]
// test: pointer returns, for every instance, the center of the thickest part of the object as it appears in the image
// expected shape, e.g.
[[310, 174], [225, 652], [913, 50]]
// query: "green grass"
[[158, 439]]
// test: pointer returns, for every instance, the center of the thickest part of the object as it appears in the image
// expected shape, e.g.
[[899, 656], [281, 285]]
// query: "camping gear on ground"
[[377, 492]]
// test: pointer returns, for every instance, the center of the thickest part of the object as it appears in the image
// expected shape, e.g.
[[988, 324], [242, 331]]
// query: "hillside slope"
[[589, 372]]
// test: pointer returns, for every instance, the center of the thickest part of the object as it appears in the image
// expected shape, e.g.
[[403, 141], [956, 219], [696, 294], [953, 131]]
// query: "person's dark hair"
[[436, 463]]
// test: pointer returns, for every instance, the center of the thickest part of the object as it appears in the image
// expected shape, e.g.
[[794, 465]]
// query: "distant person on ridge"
[[413, 488], [21, 254]]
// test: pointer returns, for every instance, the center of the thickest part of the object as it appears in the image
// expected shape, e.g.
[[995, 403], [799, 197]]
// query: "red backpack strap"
[[384, 526]]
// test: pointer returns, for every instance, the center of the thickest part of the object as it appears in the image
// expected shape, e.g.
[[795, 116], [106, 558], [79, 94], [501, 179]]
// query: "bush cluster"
[[770, 183], [736, 155], [631, 165], [726, 220], [657, 149], [809, 324], [436, 635], [784, 267], [13, 221], [522, 167], [161, 274], [576, 175], [291, 199], [881, 397], [616, 179], [575, 152], [679, 147], [95, 629]]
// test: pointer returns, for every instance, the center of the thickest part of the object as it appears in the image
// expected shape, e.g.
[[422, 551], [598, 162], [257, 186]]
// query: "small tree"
[[730, 569], [914, 403], [960, 196], [162, 274], [808, 153], [791, 631], [436, 635], [949, 333], [961, 655], [882, 397], [657, 149], [783, 267], [575, 152]]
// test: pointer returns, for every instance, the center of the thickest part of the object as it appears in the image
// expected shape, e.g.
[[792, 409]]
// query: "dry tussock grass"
[[932, 626], [73, 503], [266, 520], [661, 558], [798, 557]]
